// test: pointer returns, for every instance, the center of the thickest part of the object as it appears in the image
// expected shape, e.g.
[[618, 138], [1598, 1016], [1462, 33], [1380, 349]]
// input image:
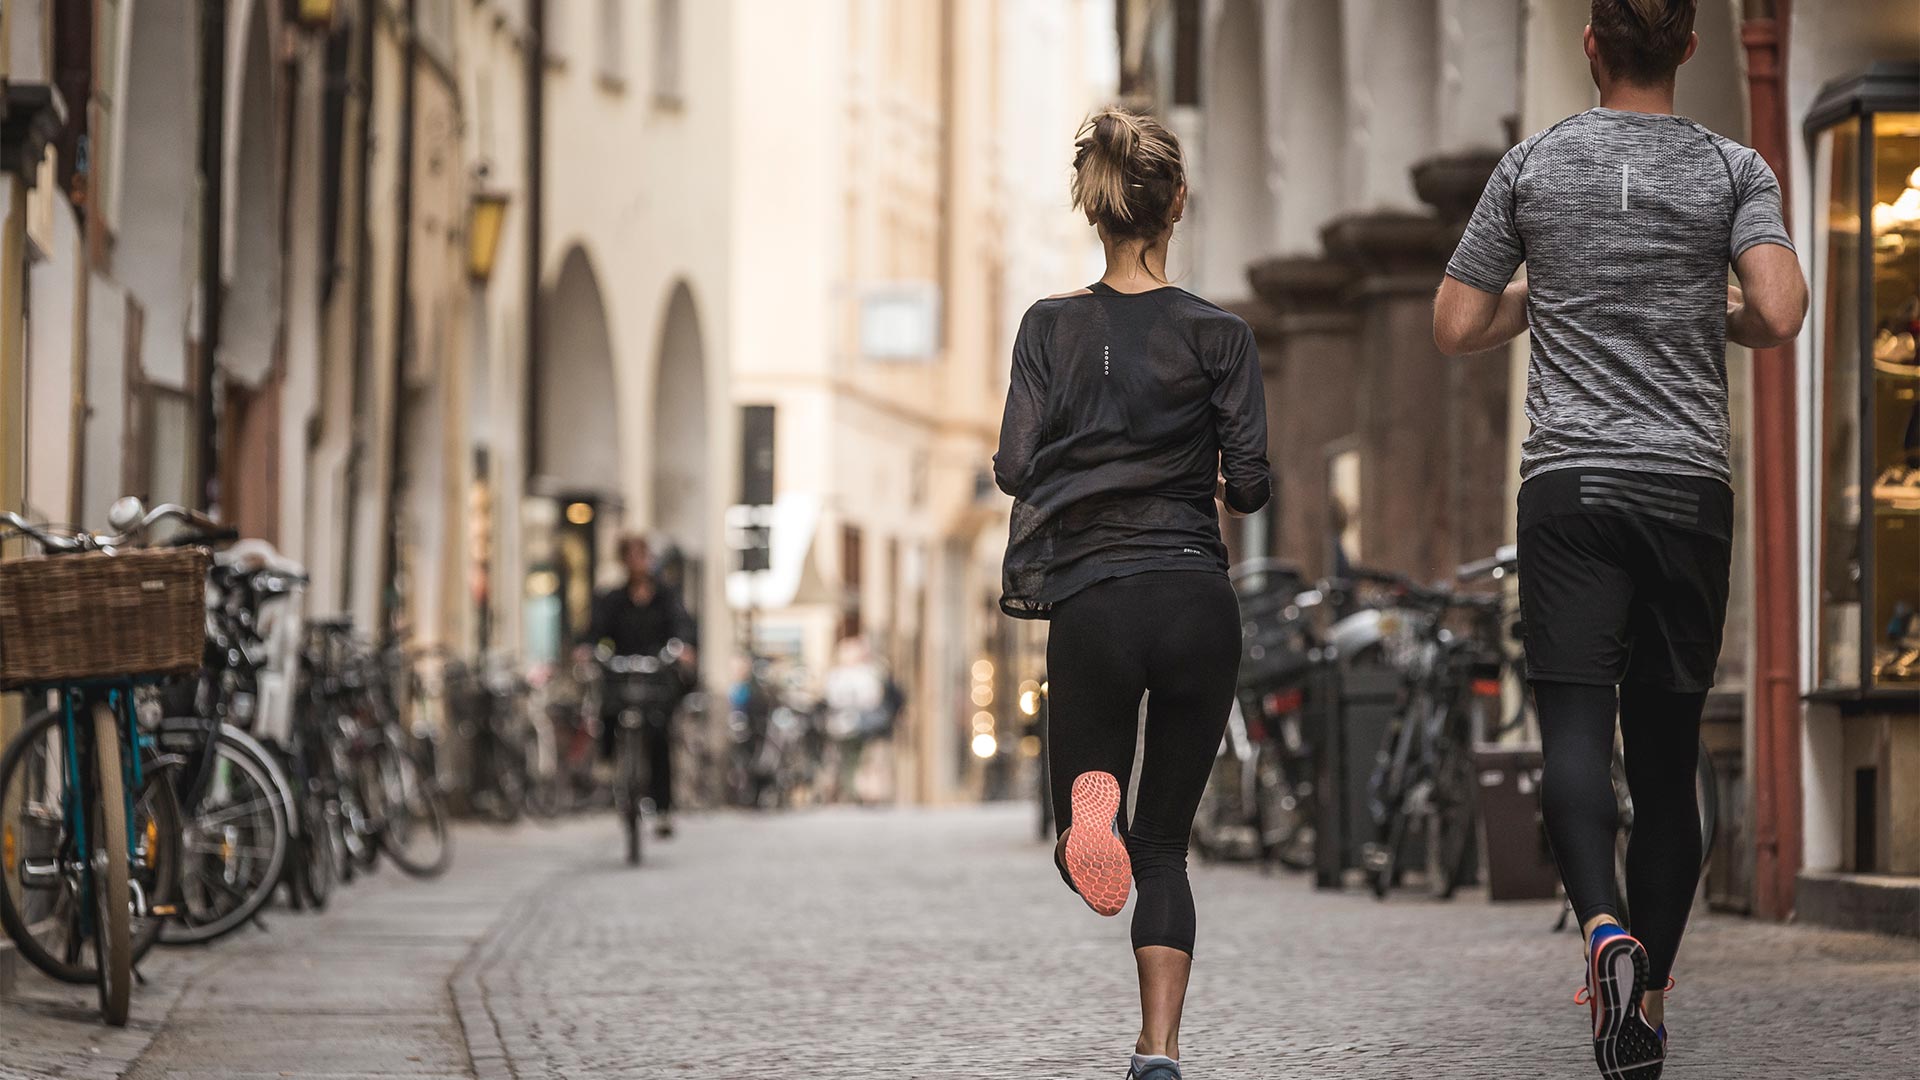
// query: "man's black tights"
[[1660, 732]]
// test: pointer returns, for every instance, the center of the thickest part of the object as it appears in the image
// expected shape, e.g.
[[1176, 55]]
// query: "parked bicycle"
[[90, 836]]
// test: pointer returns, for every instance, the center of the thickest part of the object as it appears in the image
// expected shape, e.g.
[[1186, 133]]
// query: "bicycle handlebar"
[[50, 537], [1505, 560]]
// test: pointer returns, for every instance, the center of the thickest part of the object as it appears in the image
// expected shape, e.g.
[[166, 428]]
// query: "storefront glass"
[[1839, 342], [1868, 186]]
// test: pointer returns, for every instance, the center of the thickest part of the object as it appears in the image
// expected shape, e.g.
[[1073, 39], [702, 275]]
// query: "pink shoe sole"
[[1096, 856]]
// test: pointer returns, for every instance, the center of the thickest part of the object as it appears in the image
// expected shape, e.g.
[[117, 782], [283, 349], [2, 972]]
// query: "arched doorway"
[[680, 510], [573, 509], [155, 192], [250, 302], [1234, 200]]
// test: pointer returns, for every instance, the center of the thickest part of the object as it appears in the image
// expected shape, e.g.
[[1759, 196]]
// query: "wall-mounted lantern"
[[485, 217], [315, 14]]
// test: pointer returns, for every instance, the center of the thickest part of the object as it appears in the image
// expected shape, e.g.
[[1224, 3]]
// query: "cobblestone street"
[[923, 944]]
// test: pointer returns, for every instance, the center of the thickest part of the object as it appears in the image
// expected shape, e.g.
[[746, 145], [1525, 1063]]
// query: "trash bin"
[[1352, 710], [1519, 860]]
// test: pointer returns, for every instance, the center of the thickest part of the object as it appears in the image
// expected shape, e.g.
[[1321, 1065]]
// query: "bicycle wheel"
[[313, 859], [41, 901], [110, 889], [1708, 792], [629, 795], [413, 817], [1450, 825], [233, 845], [1286, 813]]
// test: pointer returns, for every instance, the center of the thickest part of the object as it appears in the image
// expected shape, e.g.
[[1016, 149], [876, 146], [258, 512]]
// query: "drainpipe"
[[536, 196], [213, 178], [1776, 720], [402, 325]]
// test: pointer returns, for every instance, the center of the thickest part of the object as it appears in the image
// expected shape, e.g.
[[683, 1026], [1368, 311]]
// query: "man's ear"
[[1693, 42], [1589, 45]]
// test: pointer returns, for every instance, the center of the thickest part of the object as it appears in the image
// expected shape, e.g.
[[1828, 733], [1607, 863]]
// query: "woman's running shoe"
[[1153, 1068], [1625, 1046], [1093, 853]]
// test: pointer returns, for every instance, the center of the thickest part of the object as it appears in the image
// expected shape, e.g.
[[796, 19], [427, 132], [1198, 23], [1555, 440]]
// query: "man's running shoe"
[[1094, 855], [1625, 1046]]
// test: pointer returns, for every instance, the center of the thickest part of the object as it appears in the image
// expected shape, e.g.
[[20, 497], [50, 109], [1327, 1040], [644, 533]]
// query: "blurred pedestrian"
[[640, 618], [1133, 406], [1626, 217], [862, 704]]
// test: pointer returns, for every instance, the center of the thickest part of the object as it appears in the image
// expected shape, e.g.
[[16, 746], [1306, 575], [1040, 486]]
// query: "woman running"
[[1134, 405]]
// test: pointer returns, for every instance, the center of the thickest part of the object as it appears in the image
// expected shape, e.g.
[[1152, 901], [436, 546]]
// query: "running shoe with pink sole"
[[1094, 857]]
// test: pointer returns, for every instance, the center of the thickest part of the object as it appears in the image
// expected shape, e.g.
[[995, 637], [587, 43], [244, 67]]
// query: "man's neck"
[[1629, 97]]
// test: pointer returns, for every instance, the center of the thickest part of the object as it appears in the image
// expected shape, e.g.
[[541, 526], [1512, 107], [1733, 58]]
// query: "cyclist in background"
[[1626, 217], [638, 619]]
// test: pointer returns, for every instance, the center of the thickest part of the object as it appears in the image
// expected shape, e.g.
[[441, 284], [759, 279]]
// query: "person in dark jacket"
[[1135, 408], [639, 619]]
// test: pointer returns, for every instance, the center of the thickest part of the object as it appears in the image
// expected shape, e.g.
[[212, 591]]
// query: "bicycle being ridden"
[[638, 695]]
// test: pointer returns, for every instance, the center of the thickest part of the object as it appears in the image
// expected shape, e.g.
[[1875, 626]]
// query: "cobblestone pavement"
[[927, 944]]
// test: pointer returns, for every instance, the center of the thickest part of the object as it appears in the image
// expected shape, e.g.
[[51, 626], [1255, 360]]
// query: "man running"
[[1626, 217]]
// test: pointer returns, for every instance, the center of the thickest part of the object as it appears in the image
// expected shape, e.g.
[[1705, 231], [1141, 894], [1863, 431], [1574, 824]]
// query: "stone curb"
[[485, 1049]]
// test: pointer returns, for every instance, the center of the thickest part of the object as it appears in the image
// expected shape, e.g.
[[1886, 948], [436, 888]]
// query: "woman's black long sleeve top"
[[1123, 410]]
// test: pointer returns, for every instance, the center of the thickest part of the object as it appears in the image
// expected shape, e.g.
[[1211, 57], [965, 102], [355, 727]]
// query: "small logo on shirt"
[[1191, 551]]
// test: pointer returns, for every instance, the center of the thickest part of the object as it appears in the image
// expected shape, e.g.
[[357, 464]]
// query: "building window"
[[611, 42], [850, 560], [667, 87], [1867, 282]]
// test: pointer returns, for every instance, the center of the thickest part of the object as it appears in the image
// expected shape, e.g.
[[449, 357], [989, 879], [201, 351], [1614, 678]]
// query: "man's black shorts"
[[1623, 577]]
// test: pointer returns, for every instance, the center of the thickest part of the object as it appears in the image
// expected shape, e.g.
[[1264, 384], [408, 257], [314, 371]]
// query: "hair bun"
[[1126, 170]]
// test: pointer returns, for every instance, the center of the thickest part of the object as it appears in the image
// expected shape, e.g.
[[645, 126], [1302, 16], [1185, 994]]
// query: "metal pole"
[[213, 109]]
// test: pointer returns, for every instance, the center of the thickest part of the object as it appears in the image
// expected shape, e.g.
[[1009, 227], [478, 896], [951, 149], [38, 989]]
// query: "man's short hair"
[[1642, 41]]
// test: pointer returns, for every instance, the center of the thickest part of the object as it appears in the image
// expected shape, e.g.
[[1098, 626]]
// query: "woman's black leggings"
[[1660, 730], [1175, 637]]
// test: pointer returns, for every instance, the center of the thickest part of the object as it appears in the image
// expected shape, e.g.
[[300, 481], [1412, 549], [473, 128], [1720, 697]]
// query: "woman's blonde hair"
[[1127, 170]]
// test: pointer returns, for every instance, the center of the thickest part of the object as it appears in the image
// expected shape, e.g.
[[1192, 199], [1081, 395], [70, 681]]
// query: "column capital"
[[1451, 183], [1305, 292], [1389, 250]]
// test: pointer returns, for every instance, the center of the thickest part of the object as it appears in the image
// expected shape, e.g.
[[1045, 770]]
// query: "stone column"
[[1309, 358], [1478, 385], [1404, 406]]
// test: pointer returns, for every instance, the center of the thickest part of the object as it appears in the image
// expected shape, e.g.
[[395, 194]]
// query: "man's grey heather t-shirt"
[[1627, 222]]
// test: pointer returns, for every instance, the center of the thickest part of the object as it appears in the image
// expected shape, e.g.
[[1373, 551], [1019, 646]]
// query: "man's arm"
[[1468, 320], [1479, 305], [1768, 306]]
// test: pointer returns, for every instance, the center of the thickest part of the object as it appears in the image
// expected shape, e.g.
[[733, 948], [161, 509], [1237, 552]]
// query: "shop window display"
[[1866, 159]]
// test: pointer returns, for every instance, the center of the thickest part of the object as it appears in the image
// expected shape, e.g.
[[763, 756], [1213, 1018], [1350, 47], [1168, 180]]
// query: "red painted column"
[[1776, 693]]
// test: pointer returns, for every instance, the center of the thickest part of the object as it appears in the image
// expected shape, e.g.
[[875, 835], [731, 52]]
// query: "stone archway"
[[680, 513], [577, 430], [573, 511]]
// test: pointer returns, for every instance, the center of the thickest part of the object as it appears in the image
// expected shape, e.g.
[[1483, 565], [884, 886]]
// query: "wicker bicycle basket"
[[97, 616]]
